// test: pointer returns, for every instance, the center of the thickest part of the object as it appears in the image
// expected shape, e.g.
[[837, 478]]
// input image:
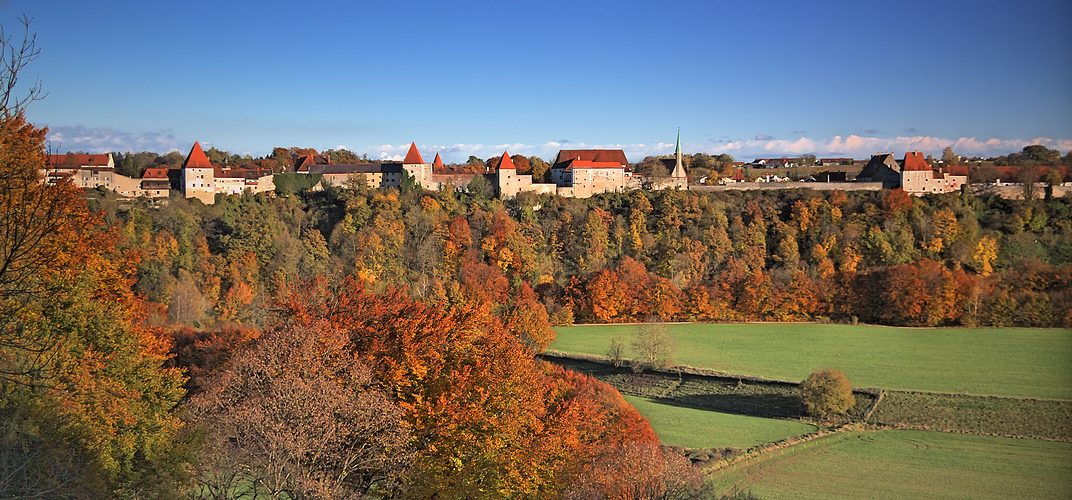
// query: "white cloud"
[[100, 140], [103, 140], [863, 147], [745, 150]]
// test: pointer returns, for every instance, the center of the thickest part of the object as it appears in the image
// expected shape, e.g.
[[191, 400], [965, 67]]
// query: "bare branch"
[[15, 55]]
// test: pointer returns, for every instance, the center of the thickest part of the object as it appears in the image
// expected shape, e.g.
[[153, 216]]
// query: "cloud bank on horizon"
[[81, 138]]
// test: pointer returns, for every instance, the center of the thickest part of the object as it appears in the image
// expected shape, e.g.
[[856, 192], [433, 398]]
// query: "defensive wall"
[[1016, 191], [773, 186]]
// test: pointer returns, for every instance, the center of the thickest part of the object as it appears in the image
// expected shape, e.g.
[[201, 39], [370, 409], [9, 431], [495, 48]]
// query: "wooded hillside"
[[876, 257]]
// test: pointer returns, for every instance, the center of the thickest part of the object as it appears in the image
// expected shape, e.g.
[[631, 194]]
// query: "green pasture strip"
[[721, 394], [695, 428], [1039, 419], [1007, 362], [897, 464]]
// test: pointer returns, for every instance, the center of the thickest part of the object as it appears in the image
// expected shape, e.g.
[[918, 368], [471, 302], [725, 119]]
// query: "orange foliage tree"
[[486, 420], [85, 402]]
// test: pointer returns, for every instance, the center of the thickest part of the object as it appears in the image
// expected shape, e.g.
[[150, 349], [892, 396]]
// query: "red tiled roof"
[[155, 173], [78, 159], [575, 164], [413, 156], [506, 162], [914, 162], [739, 176], [595, 155], [196, 158], [957, 170], [438, 163], [304, 163]]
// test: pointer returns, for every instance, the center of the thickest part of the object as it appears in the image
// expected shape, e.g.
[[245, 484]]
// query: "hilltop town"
[[579, 173]]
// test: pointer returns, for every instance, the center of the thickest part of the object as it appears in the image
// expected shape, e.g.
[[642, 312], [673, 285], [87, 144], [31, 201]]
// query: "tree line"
[[795, 255]]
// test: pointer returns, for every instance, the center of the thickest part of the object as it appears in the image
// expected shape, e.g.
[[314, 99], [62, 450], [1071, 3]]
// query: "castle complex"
[[913, 174], [579, 173]]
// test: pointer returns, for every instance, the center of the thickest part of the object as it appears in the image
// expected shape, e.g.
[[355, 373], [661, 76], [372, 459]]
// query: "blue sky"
[[752, 79]]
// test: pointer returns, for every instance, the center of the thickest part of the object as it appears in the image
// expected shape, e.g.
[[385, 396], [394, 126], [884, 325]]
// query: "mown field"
[[1036, 419], [1007, 362], [689, 427], [906, 464]]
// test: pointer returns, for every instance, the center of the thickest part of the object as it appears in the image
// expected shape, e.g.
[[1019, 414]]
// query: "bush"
[[827, 392]]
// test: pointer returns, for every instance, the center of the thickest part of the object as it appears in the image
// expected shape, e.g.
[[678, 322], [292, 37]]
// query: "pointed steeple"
[[679, 169], [413, 157], [196, 158], [438, 163], [506, 162]]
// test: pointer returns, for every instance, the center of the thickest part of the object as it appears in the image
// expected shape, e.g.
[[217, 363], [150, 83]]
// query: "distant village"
[[577, 173]]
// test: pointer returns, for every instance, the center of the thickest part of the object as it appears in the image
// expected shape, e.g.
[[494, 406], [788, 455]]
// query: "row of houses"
[[197, 178], [579, 173], [575, 173], [913, 174], [796, 161], [91, 171]]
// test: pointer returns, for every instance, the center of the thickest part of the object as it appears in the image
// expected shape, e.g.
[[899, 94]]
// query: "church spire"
[[679, 169]]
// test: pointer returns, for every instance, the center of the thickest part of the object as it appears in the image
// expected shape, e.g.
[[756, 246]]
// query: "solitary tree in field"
[[653, 345], [827, 392], [616, 351]]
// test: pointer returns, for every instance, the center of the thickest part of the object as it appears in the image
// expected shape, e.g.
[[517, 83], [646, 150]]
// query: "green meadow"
[[1006, 362], [905, 464], [687, 427]]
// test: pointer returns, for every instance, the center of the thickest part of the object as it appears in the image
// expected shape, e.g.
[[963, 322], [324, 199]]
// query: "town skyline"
[[751, 81]]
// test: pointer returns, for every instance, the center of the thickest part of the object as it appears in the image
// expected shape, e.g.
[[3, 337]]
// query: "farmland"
[[935, 380], [684, 426], [1020, 363], [1039, 419], [906, 464]]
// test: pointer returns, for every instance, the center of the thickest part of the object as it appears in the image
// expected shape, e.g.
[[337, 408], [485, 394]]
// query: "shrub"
[[827, 392]]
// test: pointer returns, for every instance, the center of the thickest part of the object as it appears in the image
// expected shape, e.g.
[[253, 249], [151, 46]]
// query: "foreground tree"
[[297, 415], [486, 419], [826, 393], [85, 402]]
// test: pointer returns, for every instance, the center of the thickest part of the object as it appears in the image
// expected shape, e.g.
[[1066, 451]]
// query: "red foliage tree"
[[483, 415]]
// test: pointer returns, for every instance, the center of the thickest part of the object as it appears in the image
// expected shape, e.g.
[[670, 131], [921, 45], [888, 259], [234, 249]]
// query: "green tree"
[[1054, 177], [826, 393], [409, 183], [479, 187], [949, 157], [125, 165], [540, 169], [1041, 155]]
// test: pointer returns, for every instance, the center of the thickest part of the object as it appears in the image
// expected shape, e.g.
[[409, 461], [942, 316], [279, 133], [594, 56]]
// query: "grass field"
[[694, 428], [1023, 363], [906, 464], [1040, 419]]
